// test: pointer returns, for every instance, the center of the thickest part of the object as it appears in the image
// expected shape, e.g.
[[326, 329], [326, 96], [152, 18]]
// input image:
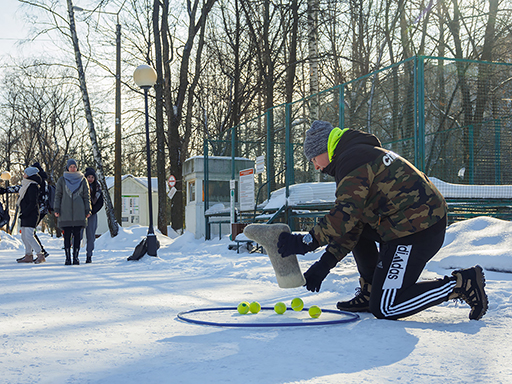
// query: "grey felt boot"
[[287, 269]]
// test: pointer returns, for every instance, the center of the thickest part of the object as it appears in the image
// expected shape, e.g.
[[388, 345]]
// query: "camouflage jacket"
[[375, 187]]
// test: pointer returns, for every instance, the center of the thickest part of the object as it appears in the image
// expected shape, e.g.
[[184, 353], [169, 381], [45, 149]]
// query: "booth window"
[[218, 191], [192, 191]]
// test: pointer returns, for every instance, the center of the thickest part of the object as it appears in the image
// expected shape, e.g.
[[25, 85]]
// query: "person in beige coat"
[[72, 208]]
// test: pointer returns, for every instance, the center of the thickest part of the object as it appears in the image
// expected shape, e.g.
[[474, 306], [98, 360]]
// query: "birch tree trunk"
[[113, 226], [159, 118]]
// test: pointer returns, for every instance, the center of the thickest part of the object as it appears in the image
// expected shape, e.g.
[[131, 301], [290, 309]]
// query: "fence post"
[[341, 107], [497, 151], [288, 151], [420, 112], [270, 152], [207, 231], [233, 152], [232, 197], [471, 164]]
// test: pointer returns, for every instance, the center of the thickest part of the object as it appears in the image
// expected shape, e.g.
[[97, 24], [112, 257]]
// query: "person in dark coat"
[[72, 208], [97, 203], [43, 200], [29, 215]]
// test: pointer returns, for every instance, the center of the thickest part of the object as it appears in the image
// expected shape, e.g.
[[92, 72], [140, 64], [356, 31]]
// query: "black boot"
[[68, 256], [76, 251], [470, 288], [88, 260], [360, 303]]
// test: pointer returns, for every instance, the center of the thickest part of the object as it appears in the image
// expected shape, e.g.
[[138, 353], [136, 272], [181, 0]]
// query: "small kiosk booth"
[[219, 175]]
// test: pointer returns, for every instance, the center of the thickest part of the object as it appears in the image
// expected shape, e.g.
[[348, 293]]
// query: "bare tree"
[[111, 219], [159, 113], [176, 99]]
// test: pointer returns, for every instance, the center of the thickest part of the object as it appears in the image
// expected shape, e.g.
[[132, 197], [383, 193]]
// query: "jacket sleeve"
[[99, 203], [341, 228], [58, 195], [13, 189], [86, 195]]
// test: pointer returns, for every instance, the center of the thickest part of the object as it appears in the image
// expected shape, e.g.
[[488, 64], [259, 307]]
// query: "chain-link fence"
[[451, 118]]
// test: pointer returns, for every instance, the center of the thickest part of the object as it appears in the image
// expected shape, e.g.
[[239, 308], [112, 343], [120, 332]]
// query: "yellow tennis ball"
[[243, 307], [315, 311], [297, 304], [280, 308], [254, 307]]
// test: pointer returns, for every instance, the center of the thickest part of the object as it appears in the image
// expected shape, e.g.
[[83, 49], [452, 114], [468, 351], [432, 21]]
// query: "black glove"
[[2, 190], [289, 244], [319, 271]]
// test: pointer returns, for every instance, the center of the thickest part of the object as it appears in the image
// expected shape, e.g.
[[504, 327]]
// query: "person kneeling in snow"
[[380, 197]]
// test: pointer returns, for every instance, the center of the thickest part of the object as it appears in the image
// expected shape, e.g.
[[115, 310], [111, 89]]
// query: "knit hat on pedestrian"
[[71, 162], [90, 171], [31, 171], [316, 138]]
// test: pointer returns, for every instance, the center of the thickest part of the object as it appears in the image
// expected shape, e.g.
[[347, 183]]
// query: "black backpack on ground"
[[140, 250]]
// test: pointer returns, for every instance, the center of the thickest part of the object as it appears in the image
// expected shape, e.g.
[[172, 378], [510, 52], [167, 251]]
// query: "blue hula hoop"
[[183, 316]]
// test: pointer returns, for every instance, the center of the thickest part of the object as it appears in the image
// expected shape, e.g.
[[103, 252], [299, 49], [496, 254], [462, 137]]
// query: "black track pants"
[[396, 292]]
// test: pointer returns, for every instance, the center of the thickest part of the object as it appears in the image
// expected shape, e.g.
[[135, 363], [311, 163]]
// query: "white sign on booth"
[[246, 189]]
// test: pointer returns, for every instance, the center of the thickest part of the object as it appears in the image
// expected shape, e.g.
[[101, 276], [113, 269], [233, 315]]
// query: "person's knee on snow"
[[380, 197]]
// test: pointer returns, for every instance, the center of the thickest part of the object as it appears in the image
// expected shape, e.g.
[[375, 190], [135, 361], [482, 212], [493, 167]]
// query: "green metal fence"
[[451, 118]]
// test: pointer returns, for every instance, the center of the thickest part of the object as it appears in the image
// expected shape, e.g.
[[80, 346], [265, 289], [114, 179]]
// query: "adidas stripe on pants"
[[396, 292]]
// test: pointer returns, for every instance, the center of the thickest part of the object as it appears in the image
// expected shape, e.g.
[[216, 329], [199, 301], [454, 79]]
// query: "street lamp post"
[[117, 154], [145, 77]]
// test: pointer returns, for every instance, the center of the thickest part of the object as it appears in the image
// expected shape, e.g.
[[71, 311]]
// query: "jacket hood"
[[346, 141], [42, 173], [35, 178]]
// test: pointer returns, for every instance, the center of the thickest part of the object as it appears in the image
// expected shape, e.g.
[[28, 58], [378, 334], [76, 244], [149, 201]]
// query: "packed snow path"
[[114, 321]]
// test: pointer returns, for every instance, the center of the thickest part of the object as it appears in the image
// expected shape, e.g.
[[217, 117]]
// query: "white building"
[[134, 202]]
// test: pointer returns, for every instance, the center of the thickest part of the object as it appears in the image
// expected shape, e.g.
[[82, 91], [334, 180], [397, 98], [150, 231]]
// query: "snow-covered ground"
[[114, 321]]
